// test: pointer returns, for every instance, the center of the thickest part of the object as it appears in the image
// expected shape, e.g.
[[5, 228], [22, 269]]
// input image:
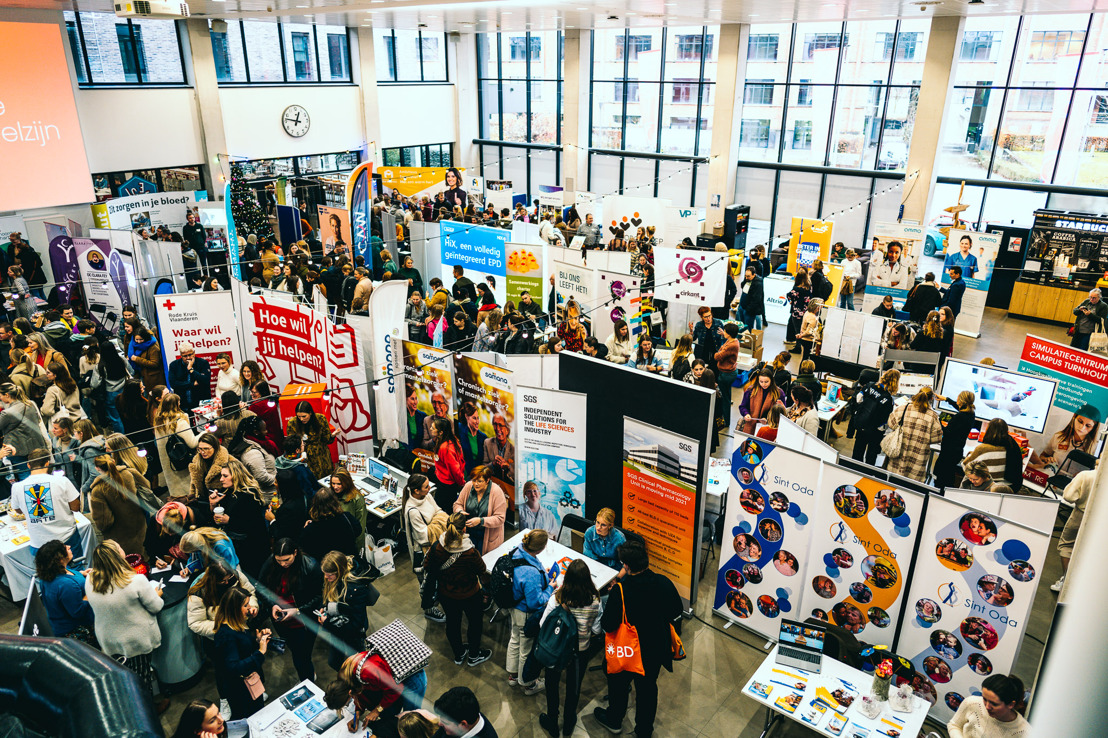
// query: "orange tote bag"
[[622, 647]]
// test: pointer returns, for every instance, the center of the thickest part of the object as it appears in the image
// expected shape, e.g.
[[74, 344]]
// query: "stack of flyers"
[[835, 725], [857, 731], [760, 689], [891, 729], [837, 694], [814, 712], [789, 701]]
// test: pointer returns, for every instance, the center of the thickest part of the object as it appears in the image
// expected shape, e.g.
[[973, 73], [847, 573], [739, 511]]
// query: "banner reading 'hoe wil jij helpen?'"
[[971, 593], [766, 535], [487, 394], [428, 394], [552, 455], [659, 498]]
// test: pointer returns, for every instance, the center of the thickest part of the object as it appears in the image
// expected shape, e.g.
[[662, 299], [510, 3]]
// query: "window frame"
[[82, 67], [394, 65], [286, 53], [446, 148]]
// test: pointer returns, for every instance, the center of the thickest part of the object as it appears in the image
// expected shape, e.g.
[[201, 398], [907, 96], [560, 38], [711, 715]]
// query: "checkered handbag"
[[400, 648]]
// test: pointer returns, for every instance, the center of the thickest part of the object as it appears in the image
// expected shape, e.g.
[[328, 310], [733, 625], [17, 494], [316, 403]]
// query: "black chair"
[[576, 524], [1076, 462], [631, 535], [707, 536]]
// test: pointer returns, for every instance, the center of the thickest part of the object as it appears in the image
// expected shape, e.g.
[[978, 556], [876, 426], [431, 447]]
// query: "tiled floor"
[[702, 697]]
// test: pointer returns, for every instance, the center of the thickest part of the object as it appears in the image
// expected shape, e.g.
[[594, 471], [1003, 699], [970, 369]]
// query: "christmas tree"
[[249, 216]]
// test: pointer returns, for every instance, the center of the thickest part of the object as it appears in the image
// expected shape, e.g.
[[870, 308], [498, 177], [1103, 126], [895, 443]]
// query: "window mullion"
[[1073, 95], [84, 47], [284, 62], [134, 50], [419, 44], [245, 53]]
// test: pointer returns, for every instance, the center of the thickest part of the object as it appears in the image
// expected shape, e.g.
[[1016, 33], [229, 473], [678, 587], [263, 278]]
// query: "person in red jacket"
[[367, 678], [449, 463]]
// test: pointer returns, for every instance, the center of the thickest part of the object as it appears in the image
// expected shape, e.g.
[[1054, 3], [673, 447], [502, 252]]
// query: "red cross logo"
[[169, 304]]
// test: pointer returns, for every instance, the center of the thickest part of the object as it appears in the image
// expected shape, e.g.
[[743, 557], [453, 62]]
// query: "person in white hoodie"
[[852, 270], [425, 522], [620, 346]]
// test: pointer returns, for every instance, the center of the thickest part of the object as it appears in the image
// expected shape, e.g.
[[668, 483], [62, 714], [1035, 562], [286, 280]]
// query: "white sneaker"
[[534, 687], [225, 709], [1057, 586]]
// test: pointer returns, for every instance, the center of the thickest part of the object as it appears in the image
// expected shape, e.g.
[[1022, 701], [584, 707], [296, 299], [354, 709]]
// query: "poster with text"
[[99, 270], [690, 277], [624, 216], [975, 254], [621, 299], [419, 181], [524, 272], [428, 394], [893, 261], [968, 601], [1075, 417], [551, 196], [489, 391], [294, 343], [810, 240], [378, 330], [202, 319], [480, 250], [551, 454], [659, 498], [863, 535], [148, 211], [498, 193], [766, 535], [334, 230], [575, 282]]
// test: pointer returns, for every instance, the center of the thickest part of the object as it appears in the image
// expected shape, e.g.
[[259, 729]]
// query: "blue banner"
[[232, 236], [358, 204], [472, 246]]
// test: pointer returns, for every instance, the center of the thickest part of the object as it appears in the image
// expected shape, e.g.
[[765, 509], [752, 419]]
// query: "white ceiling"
[[537, 15]]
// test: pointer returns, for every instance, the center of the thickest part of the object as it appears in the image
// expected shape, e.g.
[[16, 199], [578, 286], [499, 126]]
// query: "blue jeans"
[[750, 321], [74, 544], [415, 687], [112, 411], [847, 301], [19, 467]]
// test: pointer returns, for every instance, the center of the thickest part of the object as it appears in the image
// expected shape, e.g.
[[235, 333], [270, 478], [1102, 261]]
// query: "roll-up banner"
[[975, 254], [1075, 417], [967, 607], [625, 215], [334, 229], [99, 269], [428, 393], [296, 344], [766, 535], [893, 262], [810, 240], [863, 535], [621, 293], [378, 329], [491, 390], [551, 454], [659, 498], [480, 250], [524, 272], [690, 277], [574, 282], [358, 204], [202, 319]]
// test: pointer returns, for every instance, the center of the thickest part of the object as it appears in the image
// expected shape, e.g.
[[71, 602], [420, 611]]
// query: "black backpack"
[[557, 640], [502, 580]]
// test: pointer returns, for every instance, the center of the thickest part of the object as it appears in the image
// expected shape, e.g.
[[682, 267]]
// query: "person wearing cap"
[[190, 377], [163, 540]]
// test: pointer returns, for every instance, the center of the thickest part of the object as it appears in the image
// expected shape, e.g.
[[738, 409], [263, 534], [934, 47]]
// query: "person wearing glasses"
[[500, 453], [190, 377]]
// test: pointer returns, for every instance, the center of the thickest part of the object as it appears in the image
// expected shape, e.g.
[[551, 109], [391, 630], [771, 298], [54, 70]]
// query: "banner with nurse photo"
[[480, 250], [863, 537], [766, 535], [971, 592], [334, 230], [659, 498], [975, 254], [893, 262], [1074, 419], [428, 393], [485, 415], [550, 460]]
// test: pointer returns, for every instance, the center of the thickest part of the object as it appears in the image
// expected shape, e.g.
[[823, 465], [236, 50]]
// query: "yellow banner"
[[811, 240], [410, 181], [100, 215]]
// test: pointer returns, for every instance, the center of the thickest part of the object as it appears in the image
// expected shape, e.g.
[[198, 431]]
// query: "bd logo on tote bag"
[[622, 647]]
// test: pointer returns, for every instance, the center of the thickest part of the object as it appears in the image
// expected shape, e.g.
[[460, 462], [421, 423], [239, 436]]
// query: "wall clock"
[[295, 121]]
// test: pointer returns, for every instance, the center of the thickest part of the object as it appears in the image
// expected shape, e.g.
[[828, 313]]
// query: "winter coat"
[[204, 475], [316, 444], [117, 514]]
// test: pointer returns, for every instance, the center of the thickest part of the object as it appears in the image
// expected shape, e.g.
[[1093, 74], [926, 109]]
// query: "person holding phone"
[[291, 589], [239, 651]]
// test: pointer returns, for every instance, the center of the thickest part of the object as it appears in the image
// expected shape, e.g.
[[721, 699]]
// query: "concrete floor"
[[702, 697]]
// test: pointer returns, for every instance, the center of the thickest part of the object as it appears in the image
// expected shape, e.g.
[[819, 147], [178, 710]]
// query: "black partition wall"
[[617, 391]]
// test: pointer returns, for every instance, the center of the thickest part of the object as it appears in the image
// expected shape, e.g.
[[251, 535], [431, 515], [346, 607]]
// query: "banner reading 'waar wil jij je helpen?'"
[[552, 455]]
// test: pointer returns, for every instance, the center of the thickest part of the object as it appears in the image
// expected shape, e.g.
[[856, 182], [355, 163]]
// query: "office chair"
[[576, 524]]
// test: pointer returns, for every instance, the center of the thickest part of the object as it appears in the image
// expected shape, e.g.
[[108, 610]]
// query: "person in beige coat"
[[62, 397], [920, 427], [204, 470], [171, 421], [116, 512]]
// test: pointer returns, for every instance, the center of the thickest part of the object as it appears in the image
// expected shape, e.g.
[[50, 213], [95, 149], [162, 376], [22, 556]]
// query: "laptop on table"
[[800, 645]]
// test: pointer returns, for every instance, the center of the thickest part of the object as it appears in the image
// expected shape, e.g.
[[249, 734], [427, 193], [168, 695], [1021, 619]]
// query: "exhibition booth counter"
[[1050, 302]]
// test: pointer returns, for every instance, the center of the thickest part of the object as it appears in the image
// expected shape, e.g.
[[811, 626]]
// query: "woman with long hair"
[[680, 362], [620, 346], [171, 422], [571, 331], [125, 607], [802, 409], [23, 371], [347, 592], [22, 298], [425, 521], [259, 462], [782, 377], [486, 506], [204, 545], [809, 327], [263, 403], [1001, 453], [759, 395], [63, 592], [581, 602], [351, 499], [243, 516], [955, 435], [291, 588], [997, 711], [206, 592], [201, 719], [314, 429], [38, 348], [930, 337], [206, 466], [116, 510], [798, 298], [920, 427], [1079, 434], [250, 373], [646, 358], [449, 462], [330, 528], [239, 651], [64, 446], [20, 425], [145, 356], [488, 332], [115, 372], [126, 456], [62, 396], [773, 422], [461, 571]]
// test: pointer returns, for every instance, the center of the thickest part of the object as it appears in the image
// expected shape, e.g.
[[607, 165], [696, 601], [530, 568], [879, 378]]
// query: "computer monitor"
[[376, 470]]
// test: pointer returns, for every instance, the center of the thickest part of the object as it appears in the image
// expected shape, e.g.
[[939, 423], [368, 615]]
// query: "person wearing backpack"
[[460, 572], [531, 588], [872, 406], [577, 605]]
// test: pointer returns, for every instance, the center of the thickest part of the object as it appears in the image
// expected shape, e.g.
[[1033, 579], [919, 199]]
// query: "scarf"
[[138, 347]]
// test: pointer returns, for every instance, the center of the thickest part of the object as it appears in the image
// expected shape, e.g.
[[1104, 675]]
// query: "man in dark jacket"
[[190, 377], [953, 296], [923, 298], [752, 300], [463, 284], [652, 604], [886, 309], [1090, 317], [196, 238], [708, 337], [460, 715]]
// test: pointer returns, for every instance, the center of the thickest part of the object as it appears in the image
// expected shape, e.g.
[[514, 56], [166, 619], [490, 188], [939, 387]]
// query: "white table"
[[275, 719], [779, 678], [825, 416], [16, 558], [602, 575], [719, 475], [378, 501]]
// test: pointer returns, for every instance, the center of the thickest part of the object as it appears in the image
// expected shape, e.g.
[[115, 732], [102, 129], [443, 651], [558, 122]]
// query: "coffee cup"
[[217, 510]]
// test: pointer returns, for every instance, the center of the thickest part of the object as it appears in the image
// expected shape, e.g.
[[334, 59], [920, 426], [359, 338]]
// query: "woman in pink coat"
[[486, 504]]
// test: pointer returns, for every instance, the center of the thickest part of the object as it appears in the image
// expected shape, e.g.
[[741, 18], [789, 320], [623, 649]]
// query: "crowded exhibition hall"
[[420, 369]]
